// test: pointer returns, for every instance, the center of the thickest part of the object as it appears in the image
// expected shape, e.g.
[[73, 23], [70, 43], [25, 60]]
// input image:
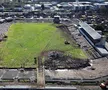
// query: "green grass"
[[27, 40]]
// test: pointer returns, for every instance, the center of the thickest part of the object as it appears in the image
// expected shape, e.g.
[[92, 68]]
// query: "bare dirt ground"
[[57, 60], [100, 66]]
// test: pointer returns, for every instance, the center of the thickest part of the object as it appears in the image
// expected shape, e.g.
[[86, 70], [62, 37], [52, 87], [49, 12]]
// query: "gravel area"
[[88, 88], [4, 27]]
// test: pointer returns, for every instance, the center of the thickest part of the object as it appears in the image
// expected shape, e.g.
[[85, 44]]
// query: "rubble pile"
[[57, 60]]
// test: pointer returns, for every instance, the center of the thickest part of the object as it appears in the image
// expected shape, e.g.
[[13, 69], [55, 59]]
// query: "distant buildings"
[[3, 1], [99, 1], [15, 1]]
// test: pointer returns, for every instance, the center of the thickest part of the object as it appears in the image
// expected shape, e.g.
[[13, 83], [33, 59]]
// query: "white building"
[[97, 1], [100, 5]]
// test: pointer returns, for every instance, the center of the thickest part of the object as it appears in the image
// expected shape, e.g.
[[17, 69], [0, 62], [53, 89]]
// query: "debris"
[[57, 60]]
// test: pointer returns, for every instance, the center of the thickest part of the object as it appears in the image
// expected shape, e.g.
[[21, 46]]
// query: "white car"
[[9, 19], [2, 20]]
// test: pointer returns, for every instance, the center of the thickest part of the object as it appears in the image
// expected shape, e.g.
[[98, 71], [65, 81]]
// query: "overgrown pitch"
[[27, 40]]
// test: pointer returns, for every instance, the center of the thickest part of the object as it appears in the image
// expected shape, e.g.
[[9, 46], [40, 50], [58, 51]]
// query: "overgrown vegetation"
[[28, 40]]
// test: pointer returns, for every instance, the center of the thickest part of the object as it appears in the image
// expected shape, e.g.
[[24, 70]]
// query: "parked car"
[[9, 19], [2, 20]]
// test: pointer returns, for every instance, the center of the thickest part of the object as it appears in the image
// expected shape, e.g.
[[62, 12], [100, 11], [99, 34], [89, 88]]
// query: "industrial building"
[[76, 5], [99, 1], [98, 6], [94, 38], [82, 6]]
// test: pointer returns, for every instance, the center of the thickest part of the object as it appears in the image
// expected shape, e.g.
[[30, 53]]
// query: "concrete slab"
[[1, 73], [27, 75], [10, 74]]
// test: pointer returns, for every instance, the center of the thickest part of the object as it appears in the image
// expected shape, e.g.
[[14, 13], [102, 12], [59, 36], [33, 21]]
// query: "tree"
[[99, 27], [19, 1]]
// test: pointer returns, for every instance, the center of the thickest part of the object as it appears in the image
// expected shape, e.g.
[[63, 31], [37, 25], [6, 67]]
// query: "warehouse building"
[[99, 1], [94, 38], [98, 6]]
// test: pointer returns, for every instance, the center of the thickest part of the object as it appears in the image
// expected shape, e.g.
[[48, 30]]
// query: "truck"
[[56, 19]]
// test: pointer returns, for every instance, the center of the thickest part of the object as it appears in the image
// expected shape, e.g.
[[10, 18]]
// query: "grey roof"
[[61, 88], [102, 50], [95, 35]]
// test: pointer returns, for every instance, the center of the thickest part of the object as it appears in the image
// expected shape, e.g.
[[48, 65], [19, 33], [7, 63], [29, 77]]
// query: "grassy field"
[[27, 40]]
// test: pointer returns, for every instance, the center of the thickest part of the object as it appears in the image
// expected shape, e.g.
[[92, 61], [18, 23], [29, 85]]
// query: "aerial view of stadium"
[[25, 41], [52, 45]]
